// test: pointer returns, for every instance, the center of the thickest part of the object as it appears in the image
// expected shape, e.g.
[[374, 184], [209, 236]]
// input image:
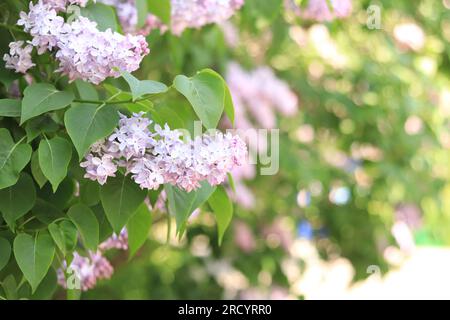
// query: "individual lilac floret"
[[19, 57], [160, 157]]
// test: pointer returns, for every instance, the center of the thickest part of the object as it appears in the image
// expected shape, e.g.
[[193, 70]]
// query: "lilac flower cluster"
[[19, 57], [82, 50], [86, 271], [259, 92], [160, 157], [319, 10], [184, 14]]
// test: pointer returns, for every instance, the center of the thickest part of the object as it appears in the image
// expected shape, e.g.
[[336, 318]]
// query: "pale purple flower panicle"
[[184, 14], [19, 57], [83, 51], [116, 241], [85, 271], [160, 157], [319, 10]]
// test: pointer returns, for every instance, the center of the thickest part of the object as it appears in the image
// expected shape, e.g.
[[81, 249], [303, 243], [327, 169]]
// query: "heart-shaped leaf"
[[120, 198], [206, 93], [34, 255], [18, 199], [43, 97], [54, 159], [87, 123], [223, 208]]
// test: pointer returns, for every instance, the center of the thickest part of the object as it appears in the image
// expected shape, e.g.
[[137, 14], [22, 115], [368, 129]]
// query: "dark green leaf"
[[43, 97], [10, 108], [36, 170], [88, 123], [86, 223], [54, 159], [120, 198], [182, 203], [64, 234], [34, 256], [5, 252], [138, 228], [13, 158], [17, 200]]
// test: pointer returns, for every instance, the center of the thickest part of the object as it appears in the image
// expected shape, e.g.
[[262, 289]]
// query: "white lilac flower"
[[83, 51], [160, 157], [19, 57]]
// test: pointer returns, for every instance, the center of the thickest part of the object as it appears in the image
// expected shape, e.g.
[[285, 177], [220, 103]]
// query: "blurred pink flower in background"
[[319, 10], [409, 36]]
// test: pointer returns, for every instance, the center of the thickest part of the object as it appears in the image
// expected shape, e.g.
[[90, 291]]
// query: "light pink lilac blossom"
[[83, 51], [88, 270], [160, 157], [319, 10], [184, 14], [85, 271], [19, 57]]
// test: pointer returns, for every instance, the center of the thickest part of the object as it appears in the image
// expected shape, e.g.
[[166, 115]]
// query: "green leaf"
[[17, 200], [47, 287], [64, 234], [54, 159], [206, 93], [36, 170], [86, 90], [13, 158], [138, 228], [42, 124], [62, 197], [142, 12], [223, 208], [10, 108], [90, 193], [34, 256], [120, 198], [9, 285], [5, 252], [228, 104], [161, 9], [86, 223], [182, 203], [87, 123], [102, 14], [43, 97], [143, 87]]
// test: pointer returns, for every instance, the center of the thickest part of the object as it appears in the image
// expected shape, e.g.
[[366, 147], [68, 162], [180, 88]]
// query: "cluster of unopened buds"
[[184, 14], [163, 157], [84, 272], [82, 50]]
